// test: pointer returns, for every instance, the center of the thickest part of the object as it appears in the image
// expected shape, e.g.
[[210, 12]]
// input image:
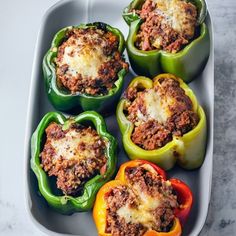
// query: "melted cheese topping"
[[142, 214], [69, 146], [157, 107], [83, 58], [174, 14], [146, 205]]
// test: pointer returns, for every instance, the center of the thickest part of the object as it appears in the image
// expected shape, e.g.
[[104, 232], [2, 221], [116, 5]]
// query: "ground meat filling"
[[159, 113], [168, 25], [147, 203], [88, 61], [73, 156]]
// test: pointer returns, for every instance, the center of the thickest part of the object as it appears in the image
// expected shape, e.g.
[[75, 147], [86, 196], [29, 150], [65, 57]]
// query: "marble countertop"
[[19, 23]]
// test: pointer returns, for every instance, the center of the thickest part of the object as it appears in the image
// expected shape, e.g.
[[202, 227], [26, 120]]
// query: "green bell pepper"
[[61, 98], [67, 204], [188, 150], [186, 64]]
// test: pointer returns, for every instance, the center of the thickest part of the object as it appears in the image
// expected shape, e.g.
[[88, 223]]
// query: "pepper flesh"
[[100, 206], [187, 63], [67, 204], [65, 101], [185, 195], [188, 151]]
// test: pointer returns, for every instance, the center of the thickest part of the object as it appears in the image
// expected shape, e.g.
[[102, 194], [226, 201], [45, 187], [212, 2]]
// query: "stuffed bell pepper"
[[72, 158], [142, 202], [161, 121], [84, 68], [167, 36]]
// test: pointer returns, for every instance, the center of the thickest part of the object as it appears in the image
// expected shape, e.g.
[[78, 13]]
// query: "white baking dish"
[[73, 12]]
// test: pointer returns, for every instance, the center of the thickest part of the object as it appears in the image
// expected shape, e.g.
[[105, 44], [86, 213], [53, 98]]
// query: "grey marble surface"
[[19, 23], [221, 218]]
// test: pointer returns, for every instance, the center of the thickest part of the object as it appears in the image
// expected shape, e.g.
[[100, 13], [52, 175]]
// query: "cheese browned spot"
[[83, 57], [156, 106], [143, 213], [146, 203], [159, 113], [88, 61], [168, 25], [179, 14], [76, 145], [73, 156]]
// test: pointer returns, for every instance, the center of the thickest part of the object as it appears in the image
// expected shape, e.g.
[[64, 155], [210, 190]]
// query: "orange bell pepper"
[[184, 197]]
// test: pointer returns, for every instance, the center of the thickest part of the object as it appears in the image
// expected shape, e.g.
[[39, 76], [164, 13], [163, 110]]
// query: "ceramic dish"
[[73, 12]]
